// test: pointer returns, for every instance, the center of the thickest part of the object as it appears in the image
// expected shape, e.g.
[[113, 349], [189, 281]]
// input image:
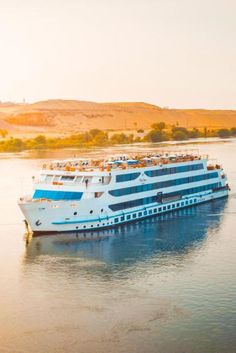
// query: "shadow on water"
[[170, 235]]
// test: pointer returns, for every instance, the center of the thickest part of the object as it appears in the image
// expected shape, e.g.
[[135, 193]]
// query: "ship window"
[[159, 209], [145, 213], [102, 210], [182, 203], [177, 204], [150, 212], [127, 177], [140, 214], [57, 195], [191, 201], [195, 200], [122, 218], [168, 207], [78, 179], [91, 212], [155, 210], [134, 215], [173, 206], [116, 220], [56, 178], [75, 213], [48, 177], [67, 178], [128, 217], [84, 226], [164, 208]]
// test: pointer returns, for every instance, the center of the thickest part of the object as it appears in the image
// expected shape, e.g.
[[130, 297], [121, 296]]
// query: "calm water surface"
[[162, 285]]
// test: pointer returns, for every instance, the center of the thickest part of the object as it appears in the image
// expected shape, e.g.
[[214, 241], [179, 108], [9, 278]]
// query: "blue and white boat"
[[79, 195]]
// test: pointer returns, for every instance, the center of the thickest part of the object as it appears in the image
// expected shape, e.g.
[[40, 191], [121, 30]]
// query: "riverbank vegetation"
[[159, 133]]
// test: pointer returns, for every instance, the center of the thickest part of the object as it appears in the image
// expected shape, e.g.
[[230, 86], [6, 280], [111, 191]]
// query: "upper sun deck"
[[124, 168], [118, 163]]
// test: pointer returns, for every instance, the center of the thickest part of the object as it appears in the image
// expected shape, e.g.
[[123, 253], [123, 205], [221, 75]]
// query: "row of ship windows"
[[159, 172], [155, 210], [152, 199], [173, 170], [162, 184], [145, 213]]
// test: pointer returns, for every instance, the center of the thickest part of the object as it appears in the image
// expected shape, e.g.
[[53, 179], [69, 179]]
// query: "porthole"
[[76, 227], [102, 210], [91, 226], [91, 212], [84, 226], [75, 213]]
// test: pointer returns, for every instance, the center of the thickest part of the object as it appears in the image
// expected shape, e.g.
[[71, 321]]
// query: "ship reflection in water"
[[173, 235], [151, 286]]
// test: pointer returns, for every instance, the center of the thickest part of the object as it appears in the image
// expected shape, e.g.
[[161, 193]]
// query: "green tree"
[[233, 131], [100, 139], [158, 126], [222, 133], [40, 140], [121, 139], [156, 136], [179, 135], [94, 132], [195, 133]]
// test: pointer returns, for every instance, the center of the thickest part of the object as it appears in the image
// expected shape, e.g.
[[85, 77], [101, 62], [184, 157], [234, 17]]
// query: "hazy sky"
[[176, 53]]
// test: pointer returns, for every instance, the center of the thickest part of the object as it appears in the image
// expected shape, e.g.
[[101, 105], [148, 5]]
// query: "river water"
[[162, 285]]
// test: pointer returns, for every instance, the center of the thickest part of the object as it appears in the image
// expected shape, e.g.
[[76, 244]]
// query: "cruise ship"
[[80, 195]]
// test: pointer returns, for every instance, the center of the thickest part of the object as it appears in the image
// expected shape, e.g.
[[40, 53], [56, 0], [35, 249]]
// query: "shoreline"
[[38, 153]]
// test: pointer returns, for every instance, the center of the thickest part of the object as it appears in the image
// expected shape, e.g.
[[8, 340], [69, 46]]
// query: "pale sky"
[[176, 53]]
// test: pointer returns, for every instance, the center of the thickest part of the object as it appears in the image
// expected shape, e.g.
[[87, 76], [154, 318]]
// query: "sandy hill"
[[73, 116]]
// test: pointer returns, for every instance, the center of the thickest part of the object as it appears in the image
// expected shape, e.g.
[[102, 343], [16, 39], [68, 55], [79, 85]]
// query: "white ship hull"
[[48, 219]]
